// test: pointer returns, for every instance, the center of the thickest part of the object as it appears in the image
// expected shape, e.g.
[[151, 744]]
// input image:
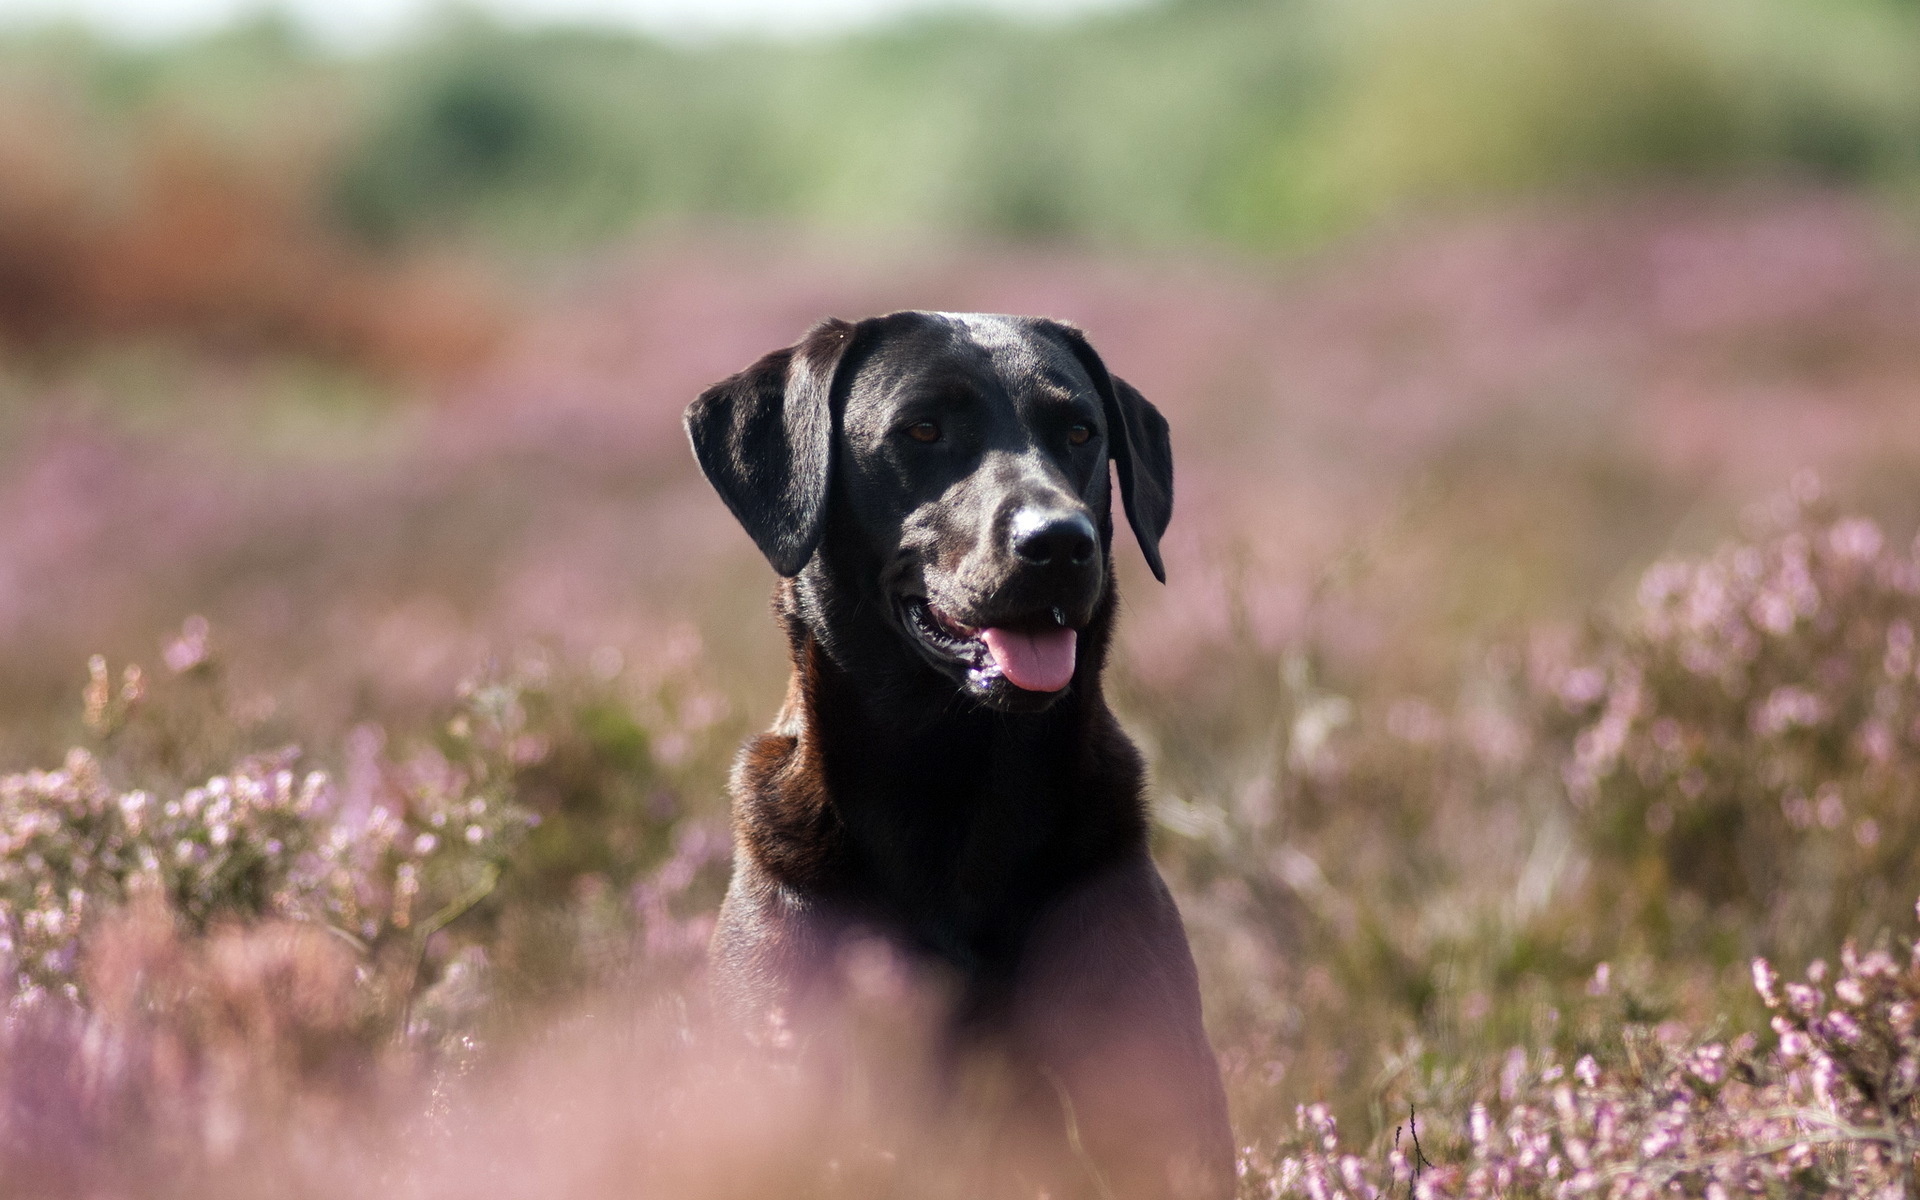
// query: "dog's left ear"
[[1138, 441], [764, 438]]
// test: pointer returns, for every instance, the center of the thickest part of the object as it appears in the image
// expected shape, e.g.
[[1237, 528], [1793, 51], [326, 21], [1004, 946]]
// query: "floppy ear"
[[1138, 441], [764, 438]]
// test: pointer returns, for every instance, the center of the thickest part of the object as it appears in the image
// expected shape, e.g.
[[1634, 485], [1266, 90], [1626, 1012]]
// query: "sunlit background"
[[1537, 645], [365, 23]]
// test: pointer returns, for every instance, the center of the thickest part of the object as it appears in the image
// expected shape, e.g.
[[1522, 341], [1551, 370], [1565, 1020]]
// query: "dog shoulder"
[[784, 820]]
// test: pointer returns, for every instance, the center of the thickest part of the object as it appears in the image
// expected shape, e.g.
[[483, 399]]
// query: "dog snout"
[[1051, 538]]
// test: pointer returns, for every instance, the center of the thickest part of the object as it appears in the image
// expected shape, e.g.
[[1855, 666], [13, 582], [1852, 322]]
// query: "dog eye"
[[924, 431], [1079, 435]]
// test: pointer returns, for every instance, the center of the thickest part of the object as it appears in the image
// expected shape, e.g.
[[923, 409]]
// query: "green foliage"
[[1261, 123], [1253, 121]]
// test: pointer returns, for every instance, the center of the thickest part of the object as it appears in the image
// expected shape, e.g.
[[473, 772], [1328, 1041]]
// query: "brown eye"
[[1079, 435], [924, 431]]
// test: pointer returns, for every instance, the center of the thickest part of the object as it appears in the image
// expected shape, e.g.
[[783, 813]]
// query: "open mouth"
[[1034, 655]]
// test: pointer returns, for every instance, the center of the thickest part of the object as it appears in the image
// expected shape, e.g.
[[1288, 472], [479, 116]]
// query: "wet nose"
[[1047, 539]]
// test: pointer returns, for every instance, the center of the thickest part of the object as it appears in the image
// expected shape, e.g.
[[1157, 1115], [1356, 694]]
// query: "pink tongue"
[[1033, 662]]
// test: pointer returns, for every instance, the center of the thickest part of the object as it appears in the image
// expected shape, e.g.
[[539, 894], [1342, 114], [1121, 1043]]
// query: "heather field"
[[1533, 703], [1537, 652]]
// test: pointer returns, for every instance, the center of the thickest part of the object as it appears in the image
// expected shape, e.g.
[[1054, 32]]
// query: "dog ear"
[[1142, 451], [764, 439]]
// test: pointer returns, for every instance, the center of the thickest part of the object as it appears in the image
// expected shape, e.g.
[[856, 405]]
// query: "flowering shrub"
[[70, 843], [1832, 1109], [537, 818], [259, 841], [1753, 739], [194, 972]]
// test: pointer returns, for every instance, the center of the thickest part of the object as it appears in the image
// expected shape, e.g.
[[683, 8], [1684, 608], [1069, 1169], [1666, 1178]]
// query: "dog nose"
[[1047, 539]]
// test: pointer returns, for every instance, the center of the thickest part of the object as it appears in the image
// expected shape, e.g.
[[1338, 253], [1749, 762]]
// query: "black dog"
[[945, 773]]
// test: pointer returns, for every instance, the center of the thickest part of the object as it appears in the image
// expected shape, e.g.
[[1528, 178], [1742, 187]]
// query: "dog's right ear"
[[764, 438]]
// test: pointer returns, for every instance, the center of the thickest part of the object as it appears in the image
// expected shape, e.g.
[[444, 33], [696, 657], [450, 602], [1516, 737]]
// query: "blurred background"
[[343, 347]]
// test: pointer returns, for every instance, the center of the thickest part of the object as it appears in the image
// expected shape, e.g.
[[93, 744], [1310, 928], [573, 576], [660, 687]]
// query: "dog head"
[[960, 462]]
